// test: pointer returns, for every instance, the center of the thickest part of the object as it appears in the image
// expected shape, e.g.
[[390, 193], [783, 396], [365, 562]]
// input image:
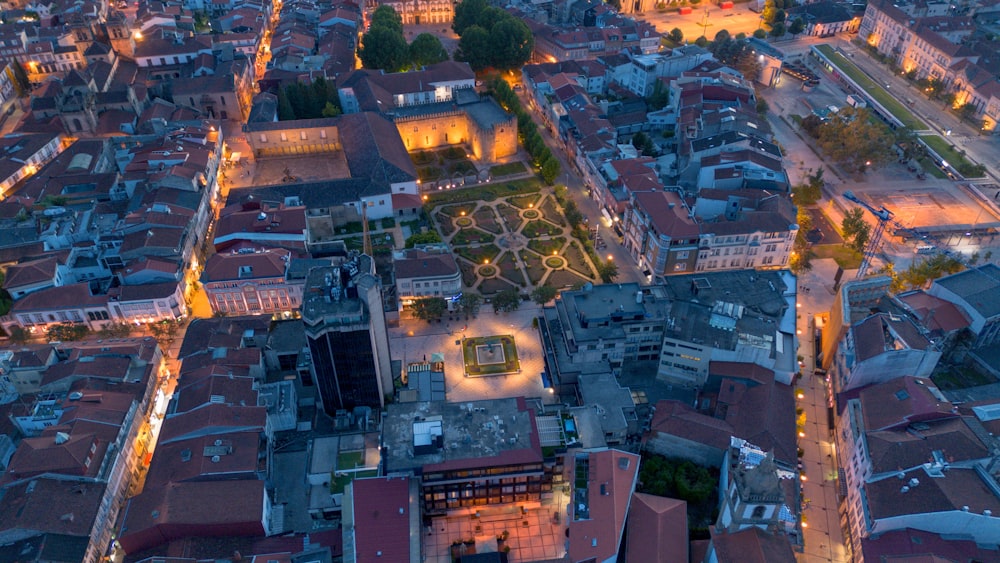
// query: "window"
[[322, 133], [758, 512], [302, 135], [284, 137], [263, 138]]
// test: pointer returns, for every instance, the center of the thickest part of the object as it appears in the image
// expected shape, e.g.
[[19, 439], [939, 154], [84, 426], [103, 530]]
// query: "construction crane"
[[884, 217]]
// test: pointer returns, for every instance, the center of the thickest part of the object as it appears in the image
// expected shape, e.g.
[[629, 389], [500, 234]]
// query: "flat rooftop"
[[332, 293], [446, 436]]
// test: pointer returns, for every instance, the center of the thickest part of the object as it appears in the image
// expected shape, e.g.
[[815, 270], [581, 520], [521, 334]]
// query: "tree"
[[18, 335], [760, 34], [854, 141], [474, 46], [66, 332], [467, 14], [386, 16], [330, 110], [510, 43], [115, 330], [855, 230], [701, 41], [469, 303], [778, 29], [285, 111], [676, 35], [659, 98], [426, 49], [608, 271], [383, 48], [507, 300], [430, 308], [797, 27], [429, 237], [550, 170], [164, 331], [722, 35], [543, 294]]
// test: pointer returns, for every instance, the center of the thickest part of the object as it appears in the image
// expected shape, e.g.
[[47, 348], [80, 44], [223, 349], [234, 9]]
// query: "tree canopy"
[[490, 36], [386, 16], [855, 230], [851, 139], [543, 294], [383, 47], [507, 300], [308, 101], [466, 14], [426, 49]]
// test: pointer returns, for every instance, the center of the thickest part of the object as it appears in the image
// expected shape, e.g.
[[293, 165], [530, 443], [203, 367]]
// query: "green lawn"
[[485, 192], [508, 169], [944, 149], [878, 93], [349, 460], [506, 342], [340, 480], [843, 256]]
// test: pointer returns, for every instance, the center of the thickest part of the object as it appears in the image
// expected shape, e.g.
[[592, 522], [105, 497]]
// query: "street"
[[821, 520]]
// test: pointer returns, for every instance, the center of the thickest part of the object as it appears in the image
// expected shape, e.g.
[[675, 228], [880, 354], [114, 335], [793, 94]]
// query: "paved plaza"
[[537, 534], [415, 340]]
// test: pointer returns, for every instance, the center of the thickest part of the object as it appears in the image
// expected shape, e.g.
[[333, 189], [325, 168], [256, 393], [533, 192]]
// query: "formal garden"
[[510, 237]]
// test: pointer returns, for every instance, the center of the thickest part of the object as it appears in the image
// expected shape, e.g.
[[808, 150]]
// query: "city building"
[[881, 347], [381, 520], [738, 400], [604, 483], [853, 301], [661, 233], [467, 454], [422, 12], [426, 271], [975, 291], [825, 19], [251, 281], [657, 529], [904, 436], [25, 154], [757, 492], [346, 331], [684, 324]]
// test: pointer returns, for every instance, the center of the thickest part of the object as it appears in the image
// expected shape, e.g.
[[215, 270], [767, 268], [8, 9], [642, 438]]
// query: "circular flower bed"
[[530, 214], [463, 222], [487, 271], [555, 262]]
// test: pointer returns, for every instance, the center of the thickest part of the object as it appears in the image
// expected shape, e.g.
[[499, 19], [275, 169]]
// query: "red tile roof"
[[657, 529], [268, 263], [51, 506], [225, 389], [935, 313], [752, 545], [30, 273], [900, 402], [216, 456], [45, 454], [196, 509], [382, 520], [614, 473], [667, 213], [72, 296], [213, 418]]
